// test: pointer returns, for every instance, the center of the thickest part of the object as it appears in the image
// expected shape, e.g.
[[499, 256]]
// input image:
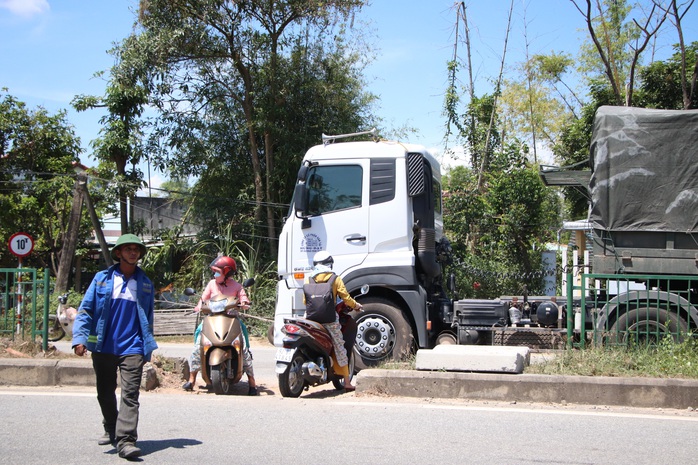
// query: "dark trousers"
[[122, 422], [349, 330]]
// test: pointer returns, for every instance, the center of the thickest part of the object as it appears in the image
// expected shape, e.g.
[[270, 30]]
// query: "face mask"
[[216, 275]]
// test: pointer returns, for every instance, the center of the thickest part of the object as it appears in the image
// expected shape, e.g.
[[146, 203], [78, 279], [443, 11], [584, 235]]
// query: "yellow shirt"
[[339, 289]]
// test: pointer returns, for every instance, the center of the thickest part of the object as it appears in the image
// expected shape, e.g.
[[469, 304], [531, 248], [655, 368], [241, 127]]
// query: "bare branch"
[[484, 161]]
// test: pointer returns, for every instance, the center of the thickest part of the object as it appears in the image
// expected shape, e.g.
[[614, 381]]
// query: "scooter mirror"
[[189, 291], [248, 282], [364, 289]]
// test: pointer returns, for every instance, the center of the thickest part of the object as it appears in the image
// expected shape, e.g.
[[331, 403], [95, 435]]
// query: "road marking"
[[46, 393], [547, 411]]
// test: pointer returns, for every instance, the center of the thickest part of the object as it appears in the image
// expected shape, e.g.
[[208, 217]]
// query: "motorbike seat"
[[312, 323]]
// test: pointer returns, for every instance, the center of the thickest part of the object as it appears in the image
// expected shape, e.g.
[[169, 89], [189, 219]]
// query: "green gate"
[[22, 290]]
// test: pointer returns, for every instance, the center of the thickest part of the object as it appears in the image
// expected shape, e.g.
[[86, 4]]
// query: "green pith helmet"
[[128, 239]]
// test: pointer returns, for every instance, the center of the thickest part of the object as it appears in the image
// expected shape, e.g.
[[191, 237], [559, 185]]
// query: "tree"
[[663, 83], [37, 154], [222, 57], [120, 141], [689, 89], [618, 42], [498, 235]]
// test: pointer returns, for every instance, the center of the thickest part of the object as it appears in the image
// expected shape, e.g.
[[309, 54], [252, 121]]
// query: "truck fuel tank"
[[480, 312]]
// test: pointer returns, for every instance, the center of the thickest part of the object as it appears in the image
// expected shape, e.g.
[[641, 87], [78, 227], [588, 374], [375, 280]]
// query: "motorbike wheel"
[[219, 380], [55, 330], [339, 382], [291, 382]]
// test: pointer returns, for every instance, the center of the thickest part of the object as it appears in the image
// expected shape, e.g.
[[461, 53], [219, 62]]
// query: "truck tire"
[[647, 326], [383, 334]]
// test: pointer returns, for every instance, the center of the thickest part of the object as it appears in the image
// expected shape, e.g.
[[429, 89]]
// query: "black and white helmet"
[[323, 258]]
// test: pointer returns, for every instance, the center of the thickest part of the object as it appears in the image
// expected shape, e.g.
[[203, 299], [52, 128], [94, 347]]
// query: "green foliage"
[[481, 132], [669, 359], [242, 89], [37, 180], [611, 56], [120, 141], [498, 234], [189, 264], [661, 81]]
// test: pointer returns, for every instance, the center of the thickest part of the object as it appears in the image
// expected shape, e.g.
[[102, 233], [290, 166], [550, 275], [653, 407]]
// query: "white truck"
[[376, 207]]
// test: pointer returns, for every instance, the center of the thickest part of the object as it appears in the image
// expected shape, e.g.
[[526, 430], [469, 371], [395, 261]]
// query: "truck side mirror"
[[303, 172], [300, 199]]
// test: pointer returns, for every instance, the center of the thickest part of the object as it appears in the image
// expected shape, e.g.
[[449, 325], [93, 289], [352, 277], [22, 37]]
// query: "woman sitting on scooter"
[[322, 272], [224, 268]]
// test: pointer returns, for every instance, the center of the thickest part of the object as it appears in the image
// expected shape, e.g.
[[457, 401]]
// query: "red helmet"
[[226, 264]]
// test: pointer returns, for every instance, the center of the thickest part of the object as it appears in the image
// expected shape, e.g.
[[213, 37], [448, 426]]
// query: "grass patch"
[[409, 363], [668, 359]]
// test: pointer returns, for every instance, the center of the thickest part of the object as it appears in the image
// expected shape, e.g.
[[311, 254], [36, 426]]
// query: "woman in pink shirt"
[[222, 284]]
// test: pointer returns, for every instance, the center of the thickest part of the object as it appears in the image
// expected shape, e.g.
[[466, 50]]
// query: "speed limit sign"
[[21, 244]]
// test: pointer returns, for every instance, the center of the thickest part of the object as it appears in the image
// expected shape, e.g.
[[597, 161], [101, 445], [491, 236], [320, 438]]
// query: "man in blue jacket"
[[115, 323]]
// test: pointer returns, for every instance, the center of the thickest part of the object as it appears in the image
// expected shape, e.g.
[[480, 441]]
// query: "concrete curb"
[[630, 392], [42, 372]]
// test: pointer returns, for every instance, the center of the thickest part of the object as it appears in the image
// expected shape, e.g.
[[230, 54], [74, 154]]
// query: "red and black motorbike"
[[305, 359]]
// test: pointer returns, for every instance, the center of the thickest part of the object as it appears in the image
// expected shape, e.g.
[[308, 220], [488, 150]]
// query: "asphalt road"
[[61, 425]]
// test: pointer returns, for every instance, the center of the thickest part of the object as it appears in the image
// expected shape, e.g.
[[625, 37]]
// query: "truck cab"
[[375, 206]]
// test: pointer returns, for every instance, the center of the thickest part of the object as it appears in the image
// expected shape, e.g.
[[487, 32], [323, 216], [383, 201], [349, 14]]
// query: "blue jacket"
[[94, 311]]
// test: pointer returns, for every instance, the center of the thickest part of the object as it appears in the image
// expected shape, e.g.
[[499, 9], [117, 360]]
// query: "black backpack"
[[319, 300]]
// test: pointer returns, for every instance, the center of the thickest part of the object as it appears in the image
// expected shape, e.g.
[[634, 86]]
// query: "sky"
[[50, 51]]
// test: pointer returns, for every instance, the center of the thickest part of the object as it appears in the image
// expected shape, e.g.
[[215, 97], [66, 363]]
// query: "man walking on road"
[[115, 323]]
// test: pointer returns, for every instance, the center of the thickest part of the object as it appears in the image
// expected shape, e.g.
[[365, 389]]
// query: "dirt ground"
[[27, 349]]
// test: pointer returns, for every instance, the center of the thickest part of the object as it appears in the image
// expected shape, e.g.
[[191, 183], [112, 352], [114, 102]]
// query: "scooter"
[[222, 341], [305, 359], [61, 324]]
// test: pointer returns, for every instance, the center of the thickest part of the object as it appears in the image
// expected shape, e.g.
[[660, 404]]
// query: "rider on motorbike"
[[322, 272], [224, 268]]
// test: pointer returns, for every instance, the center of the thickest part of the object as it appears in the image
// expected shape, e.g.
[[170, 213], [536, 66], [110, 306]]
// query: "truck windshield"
[[333, 188]]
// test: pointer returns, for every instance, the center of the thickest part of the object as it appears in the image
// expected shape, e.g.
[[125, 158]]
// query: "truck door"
[[337, 216]]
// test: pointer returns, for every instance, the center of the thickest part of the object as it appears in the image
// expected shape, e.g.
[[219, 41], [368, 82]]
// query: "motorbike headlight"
[[217, 307]]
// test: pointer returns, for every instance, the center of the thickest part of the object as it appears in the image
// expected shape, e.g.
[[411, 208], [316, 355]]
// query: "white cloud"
[[454, 156], [156, 181], [25, 8]]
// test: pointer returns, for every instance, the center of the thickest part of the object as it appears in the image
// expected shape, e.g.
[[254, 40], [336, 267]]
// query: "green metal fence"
[[631, 309], [23, 292]]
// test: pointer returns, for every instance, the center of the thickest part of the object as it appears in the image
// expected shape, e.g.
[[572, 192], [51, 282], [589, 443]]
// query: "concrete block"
[[493, 359], [75, 372], [27, 372]]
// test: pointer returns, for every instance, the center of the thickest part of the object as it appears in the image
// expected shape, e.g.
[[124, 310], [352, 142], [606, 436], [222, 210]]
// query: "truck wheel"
[[648, 326], [383, 334]]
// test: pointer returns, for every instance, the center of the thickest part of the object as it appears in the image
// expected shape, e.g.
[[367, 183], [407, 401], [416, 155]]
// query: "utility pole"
[[71, 237], [95, 224]]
